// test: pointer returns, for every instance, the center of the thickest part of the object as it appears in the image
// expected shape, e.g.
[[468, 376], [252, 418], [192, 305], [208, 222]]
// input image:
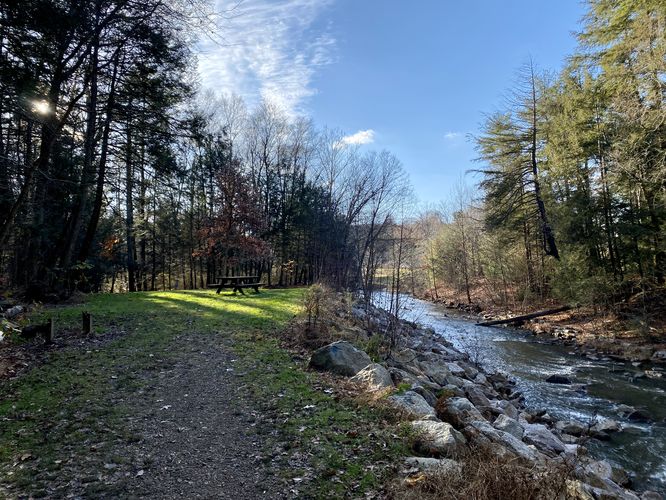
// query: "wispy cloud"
[[449, 136], [360, 137], [268, 49]]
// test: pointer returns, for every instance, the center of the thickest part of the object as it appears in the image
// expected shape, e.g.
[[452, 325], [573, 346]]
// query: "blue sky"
[[416, 75]]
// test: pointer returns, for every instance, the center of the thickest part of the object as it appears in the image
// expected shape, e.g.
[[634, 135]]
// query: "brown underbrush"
[[484, 475]]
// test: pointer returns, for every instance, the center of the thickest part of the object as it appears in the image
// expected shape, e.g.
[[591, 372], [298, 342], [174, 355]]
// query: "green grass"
[[72, 405]]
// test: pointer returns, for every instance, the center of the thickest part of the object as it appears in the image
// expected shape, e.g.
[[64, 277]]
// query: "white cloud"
[[268, 49], [360, 137], [449, 136]]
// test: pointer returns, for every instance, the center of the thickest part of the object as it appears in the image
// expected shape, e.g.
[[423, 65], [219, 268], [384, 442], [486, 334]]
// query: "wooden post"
[[87, 323], [48, 333]]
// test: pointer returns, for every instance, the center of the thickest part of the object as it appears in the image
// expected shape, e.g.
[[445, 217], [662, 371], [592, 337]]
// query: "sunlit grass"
[[75, 398]]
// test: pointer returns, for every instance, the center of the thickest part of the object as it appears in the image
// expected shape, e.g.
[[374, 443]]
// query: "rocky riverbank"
[[589, 334], [454, 406]]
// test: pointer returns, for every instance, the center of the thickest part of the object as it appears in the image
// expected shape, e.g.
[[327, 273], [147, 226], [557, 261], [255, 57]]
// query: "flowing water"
[[640, 448]]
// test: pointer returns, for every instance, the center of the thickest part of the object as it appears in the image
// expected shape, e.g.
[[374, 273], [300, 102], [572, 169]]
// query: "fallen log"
[[524, 317]]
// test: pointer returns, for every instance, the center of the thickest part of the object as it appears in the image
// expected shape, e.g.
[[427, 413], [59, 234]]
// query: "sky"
[[412, 76]]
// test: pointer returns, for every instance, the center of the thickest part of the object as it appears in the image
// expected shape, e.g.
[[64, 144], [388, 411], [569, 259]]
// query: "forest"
[[364, 361], [119, 173]]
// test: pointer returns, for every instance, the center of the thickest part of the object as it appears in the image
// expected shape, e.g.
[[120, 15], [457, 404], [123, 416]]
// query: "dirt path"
[[200, 434]]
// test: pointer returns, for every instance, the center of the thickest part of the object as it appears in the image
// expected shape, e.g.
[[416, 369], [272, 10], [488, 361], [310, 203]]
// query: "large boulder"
[[401, 376], [543, 439], [414, 404], [375, 377], [509, 409], [458, 411], [507, 424], [602, 476], [340, 357], [438, 438], [605, 426], [477, 397], [438, 373], [508, 442], [401, 358], [456, 369], [571, 427]]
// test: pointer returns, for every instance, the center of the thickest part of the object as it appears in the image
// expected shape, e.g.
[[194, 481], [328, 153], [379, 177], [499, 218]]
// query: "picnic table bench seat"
[[237, 283]]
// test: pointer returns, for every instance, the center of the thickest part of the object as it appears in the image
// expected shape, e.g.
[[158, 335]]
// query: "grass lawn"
[[69, 413]]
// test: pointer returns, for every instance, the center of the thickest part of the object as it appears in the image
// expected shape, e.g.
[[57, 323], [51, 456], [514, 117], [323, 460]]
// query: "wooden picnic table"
[[237, 283]]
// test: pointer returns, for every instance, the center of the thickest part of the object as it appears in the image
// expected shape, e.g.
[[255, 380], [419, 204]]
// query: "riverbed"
[[640, 448]]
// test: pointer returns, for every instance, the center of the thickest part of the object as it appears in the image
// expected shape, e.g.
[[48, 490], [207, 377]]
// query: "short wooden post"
[[48, 334], [87, 323]]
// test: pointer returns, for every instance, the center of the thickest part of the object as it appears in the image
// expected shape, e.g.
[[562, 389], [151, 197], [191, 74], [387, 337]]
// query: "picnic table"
[[238, 283]]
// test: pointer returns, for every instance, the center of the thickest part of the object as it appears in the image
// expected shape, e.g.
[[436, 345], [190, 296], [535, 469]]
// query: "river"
[[640, 448]]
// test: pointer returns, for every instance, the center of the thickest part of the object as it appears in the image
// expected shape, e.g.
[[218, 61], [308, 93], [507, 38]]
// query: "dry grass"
[[486, 476]]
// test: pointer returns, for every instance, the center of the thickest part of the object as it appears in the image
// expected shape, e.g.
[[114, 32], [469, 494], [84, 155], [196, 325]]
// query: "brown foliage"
[[486, 476]]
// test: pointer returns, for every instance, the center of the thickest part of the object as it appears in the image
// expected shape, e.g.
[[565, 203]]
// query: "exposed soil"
[[201, 435], [193, 432]]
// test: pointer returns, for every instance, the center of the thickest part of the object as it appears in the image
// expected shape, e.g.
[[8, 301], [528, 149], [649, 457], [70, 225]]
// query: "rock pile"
[[454, 403]]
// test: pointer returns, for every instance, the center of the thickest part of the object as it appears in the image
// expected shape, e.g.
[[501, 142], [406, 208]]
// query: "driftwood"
[[524, 317]]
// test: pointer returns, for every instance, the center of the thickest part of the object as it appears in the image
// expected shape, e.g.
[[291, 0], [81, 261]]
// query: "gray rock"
[[470, 370], [459, 411], [508, 441], [477, 397], [659, 356], [543, 439], [507, 424], [441, 465], [600, 474], [651, 495], [414, 404], [457, 381], [572, 427], [438, 438], [605, 425], [340, 357], [403, 357], [453, 390], [14, 311], [569, 439], [438, 373], [456, 370], [508, 408], [427, 395], [399, 376], [571, 449], [375, 377]]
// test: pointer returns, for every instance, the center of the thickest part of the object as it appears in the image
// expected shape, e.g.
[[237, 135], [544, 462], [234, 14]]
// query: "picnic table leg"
[[219, 289]]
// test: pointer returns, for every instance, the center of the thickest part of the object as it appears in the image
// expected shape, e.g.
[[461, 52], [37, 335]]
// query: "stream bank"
[[598, 387], [590, 333], [457, 402]]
